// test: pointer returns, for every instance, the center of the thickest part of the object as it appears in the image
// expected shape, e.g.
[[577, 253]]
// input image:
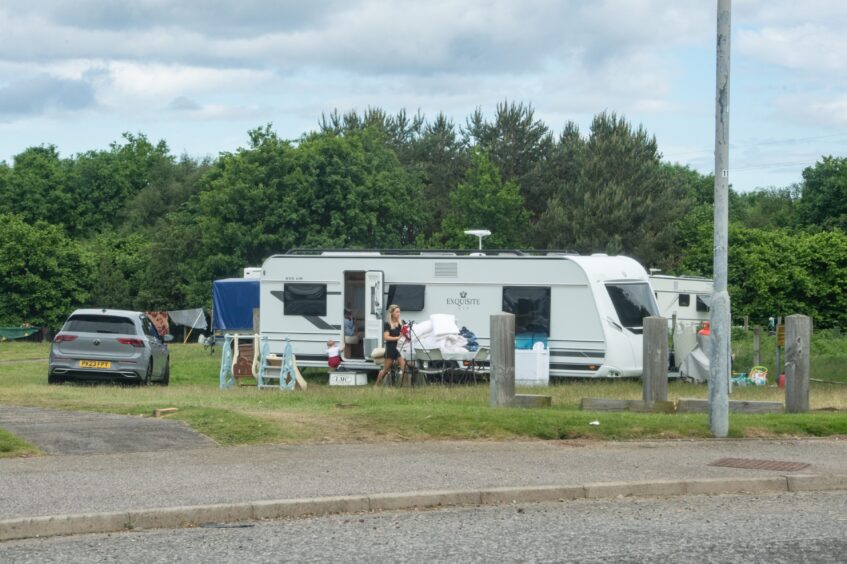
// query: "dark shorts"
[[392, 353]]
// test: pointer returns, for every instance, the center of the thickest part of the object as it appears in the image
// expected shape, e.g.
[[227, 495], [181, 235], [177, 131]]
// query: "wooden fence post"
[[798, 334], [654, 380], [757, 345], [501, 385]]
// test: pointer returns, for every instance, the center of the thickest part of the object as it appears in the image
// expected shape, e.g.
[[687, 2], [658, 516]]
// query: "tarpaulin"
[[16, 332], [233, 302], [194, 318]]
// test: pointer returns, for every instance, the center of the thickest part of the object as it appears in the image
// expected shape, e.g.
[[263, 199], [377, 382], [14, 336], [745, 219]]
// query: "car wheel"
[[166, 377], [53, 379]]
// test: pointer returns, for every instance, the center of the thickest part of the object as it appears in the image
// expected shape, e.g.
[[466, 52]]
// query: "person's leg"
[[386, 366]]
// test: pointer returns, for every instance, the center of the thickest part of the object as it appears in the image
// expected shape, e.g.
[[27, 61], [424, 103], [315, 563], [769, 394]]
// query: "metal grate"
[[753, 464]]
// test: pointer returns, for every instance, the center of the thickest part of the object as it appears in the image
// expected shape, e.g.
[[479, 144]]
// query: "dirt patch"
[[759, 433]]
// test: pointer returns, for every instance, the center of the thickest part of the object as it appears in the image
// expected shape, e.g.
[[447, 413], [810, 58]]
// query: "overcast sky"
[[200, 74]]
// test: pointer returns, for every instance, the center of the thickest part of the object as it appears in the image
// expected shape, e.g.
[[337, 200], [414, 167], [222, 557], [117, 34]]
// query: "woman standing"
[[391, 334]]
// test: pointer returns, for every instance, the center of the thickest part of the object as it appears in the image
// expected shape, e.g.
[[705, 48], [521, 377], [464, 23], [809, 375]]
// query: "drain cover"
[[753, 464]]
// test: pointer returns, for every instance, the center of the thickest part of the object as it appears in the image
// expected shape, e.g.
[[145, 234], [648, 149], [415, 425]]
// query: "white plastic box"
[[342, 378], [532, 367]]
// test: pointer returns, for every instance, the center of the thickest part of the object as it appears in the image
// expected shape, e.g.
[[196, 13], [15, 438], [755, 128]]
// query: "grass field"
[[340, 414]]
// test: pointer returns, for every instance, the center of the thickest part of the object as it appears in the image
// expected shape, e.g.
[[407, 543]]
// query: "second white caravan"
[[587, 310]]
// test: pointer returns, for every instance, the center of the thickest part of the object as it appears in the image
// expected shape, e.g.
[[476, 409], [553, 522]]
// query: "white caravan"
[[588, 310], [687, 297]]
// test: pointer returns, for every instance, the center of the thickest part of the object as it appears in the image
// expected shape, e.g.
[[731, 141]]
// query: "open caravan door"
[[374, 296]]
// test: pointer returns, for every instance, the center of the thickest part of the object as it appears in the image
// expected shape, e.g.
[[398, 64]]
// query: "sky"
[[201, 74]]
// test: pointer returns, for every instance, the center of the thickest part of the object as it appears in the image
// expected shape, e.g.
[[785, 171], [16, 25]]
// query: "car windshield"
[[100, 324], [633, 302]]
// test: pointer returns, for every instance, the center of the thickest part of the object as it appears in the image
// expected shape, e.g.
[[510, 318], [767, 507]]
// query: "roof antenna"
[[481, 233]]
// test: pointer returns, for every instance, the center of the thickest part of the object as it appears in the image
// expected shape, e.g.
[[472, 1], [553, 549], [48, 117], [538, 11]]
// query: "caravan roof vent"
[[599, 255], [446, 270]]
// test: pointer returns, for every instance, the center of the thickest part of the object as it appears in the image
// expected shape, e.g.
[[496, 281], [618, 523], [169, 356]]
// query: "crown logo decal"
[[463, 295]]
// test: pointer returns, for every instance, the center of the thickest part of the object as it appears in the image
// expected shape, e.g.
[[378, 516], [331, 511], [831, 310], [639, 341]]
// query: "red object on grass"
[[781, 381], [705, 330]]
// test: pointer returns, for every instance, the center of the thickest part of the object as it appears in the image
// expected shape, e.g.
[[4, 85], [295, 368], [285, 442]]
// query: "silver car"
[[109, 344]]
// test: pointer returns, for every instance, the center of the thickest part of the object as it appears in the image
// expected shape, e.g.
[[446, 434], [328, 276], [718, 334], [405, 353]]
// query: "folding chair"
[[479, 364], [431, 363]]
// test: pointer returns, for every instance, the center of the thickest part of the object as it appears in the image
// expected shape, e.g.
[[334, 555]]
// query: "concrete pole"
[[757, 345], [501, 386], [719, 363], [654, 381], [798, 336]]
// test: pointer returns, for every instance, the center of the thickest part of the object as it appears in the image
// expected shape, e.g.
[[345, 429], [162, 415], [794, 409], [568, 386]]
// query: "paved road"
[[54, 485], [151, 474], [74, 432], [809, 527]]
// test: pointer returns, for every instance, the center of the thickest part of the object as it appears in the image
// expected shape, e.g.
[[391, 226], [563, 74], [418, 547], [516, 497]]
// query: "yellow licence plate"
[[95, 364]]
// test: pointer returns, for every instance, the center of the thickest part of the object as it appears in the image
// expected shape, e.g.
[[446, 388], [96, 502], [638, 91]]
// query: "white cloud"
[[825, 110], [250, 62], [806, 47]]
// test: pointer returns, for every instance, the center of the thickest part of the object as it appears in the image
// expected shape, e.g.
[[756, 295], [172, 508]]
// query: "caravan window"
[[702, 303], [684, 300], [531, 307], [304, 299], [633, 302], [410, 297]]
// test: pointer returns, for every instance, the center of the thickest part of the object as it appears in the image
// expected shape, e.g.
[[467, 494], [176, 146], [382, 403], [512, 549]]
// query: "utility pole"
[[719, 363]]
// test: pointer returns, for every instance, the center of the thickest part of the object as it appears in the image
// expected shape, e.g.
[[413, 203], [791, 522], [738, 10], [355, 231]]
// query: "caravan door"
[[374, 297]]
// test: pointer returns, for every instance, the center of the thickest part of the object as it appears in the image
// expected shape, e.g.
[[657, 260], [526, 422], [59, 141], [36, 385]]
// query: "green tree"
[[780, 272], [117, 265], [35, 189], [823, 201], [482, 198], [515, 141], [519, 145], [621, 201], [440, 161], [175, 273], [773, 208], [176, 184], [43, 274]]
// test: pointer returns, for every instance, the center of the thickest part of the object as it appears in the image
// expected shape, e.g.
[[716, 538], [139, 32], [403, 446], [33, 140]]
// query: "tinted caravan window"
[[531, 307], [684, 300], [304, 299], [633, 302], [410, 297], [703, 302]]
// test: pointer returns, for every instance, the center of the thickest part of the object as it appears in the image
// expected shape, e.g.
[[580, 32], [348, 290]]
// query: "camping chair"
[[431, 363], [479, 364]]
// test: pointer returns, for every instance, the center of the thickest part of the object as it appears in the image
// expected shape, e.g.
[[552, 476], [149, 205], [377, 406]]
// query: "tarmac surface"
[[74, 432], [179, 486]]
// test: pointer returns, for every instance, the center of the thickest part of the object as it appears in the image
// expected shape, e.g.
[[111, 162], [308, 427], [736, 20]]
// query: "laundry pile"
[[438, 332]]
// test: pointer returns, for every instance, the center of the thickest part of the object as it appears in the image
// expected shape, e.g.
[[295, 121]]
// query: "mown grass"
[[339, 414]]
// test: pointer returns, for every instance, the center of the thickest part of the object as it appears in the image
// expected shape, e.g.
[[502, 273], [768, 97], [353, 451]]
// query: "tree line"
[[135, 226]]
